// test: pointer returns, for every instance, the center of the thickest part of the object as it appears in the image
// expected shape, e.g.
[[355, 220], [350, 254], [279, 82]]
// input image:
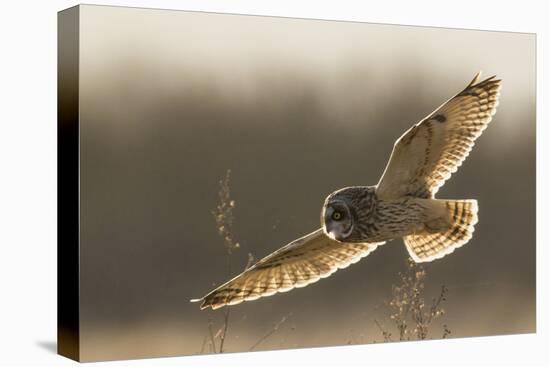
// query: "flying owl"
[[356, 220]]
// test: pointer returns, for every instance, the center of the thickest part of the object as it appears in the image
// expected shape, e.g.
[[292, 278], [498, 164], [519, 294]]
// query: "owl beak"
[[334, 230], [326, 224], [337, 232], [331, 235]]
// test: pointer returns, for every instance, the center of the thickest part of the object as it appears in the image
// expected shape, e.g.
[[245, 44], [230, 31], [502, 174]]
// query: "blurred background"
[[296, 109]]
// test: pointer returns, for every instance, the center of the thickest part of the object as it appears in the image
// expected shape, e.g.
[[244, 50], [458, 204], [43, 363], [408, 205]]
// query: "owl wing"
[[426, 155], [301, 262]]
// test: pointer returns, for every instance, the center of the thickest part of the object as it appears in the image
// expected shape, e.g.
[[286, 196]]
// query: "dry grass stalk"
[[409, 313], [273, 330], [223, 215], [212, 338]]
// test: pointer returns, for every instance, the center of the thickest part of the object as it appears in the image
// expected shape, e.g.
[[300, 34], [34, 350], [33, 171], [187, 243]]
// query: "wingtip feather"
[[476, 79], [203, 305]]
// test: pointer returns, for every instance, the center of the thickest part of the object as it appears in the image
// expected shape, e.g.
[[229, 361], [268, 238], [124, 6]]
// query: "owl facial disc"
[[337, 220]]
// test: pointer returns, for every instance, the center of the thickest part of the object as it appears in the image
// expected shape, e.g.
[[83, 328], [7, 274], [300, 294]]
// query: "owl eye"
[[336, 216]]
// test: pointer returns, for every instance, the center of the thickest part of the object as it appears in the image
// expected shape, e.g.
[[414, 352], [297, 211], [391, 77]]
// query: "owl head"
[[343, 209]]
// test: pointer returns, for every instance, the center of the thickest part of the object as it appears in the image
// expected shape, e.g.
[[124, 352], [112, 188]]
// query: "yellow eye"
[[336, 215]]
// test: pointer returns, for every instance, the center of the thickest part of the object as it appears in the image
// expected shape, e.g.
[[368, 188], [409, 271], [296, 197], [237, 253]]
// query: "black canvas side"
[[68, 343]]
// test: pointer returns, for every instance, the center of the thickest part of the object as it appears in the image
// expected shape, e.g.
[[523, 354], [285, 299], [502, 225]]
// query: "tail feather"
[[426, 246]]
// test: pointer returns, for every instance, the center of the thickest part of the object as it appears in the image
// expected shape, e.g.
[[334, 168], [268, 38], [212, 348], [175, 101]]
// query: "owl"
[[356, 220]]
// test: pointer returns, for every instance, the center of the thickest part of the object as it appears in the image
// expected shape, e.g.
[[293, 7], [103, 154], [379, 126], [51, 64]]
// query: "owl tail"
[[429, 245]]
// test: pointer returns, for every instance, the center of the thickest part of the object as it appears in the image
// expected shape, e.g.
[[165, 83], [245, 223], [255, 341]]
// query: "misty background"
[[296, 109]]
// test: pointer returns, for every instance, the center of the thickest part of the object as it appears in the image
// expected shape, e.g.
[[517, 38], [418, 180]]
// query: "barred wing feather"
[[426, 155], [301, 262]]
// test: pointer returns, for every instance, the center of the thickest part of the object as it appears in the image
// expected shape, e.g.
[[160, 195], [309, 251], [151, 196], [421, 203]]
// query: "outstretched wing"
[[301, 262], [428, 153]]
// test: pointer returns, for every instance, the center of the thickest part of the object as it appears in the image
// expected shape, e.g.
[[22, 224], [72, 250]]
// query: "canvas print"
[[233, 183]]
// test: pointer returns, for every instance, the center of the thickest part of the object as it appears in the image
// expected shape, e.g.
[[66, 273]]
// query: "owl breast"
[[395, 219]]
